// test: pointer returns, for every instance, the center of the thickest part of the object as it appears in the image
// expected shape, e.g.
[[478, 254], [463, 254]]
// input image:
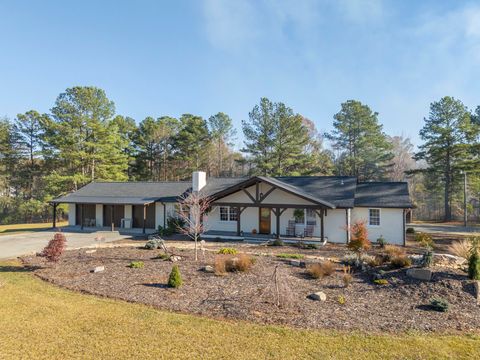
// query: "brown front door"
[[265, 220]]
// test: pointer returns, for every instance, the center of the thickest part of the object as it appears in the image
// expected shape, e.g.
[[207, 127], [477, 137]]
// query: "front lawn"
[[41, 321], [21, 228]]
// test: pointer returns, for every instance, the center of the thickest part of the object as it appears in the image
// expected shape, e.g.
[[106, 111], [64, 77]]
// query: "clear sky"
[[158, 58]]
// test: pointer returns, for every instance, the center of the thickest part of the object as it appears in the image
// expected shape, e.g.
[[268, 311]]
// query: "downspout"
[[348, 223]]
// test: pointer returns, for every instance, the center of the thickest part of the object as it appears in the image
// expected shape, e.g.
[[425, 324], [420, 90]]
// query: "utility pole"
[[465, 215]]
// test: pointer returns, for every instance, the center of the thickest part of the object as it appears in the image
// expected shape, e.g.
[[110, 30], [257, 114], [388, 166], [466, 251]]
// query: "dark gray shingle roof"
[[383, 194]]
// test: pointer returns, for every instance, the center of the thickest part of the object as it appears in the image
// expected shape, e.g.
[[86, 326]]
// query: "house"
[[320, 207]]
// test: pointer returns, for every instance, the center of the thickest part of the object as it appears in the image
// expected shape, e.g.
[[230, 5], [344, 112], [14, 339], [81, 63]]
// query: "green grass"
[[290, 256], [40, 321], [19, 228]]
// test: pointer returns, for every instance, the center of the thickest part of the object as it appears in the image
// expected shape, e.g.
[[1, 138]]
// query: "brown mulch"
[[399, 306]]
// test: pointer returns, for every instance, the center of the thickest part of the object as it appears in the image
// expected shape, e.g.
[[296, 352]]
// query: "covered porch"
[[250, 237]]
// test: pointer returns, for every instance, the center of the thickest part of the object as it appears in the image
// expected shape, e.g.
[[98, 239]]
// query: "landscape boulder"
[[318, 296], [90, 251], [420, 274], [98, 269], [448, 260], [297, 263], [175, 258], [476, 287], [209, 269]]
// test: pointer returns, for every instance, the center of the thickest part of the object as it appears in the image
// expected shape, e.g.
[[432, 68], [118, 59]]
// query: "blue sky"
[[158, 58]]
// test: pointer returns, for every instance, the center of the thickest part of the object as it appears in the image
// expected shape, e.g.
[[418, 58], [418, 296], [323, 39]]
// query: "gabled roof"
[[285, 186], [383, 194], [133, 193]]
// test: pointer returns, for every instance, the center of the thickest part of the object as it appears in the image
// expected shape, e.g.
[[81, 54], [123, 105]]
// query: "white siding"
[[159, 215], [71, 214], [128, 214], [99, 215], [391, 224]]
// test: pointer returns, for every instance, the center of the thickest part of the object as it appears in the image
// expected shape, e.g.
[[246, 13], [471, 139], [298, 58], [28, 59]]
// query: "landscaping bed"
[[400, 305]]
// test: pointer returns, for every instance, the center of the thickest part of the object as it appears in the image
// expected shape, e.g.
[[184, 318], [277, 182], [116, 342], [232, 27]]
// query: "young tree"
[[403, 159], [364, 149], [447, 135], [222, 134], [194, 207]]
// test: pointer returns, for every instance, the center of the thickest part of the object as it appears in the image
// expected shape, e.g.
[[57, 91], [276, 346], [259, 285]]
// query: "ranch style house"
[[259, 207]]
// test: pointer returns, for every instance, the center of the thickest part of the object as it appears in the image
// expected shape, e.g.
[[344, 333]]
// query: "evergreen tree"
[[364, 149], [447, 134]]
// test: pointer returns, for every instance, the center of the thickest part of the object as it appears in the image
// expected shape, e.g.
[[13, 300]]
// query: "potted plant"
[[254, 231]]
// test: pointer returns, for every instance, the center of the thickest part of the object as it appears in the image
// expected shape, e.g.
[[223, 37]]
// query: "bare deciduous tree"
[[193, 207]]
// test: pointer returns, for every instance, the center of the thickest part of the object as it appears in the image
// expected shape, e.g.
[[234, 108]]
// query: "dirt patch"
[[398, 306]]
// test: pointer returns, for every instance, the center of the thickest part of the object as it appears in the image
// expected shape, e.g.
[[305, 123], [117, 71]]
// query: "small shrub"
[[427, 259], [359, 239], [372, 261], [474, 266], [424, 239], [392, 251], [290, 256], [381, 281], [276, 242], [175, 279], [242, 262], [220, 265], [55, 248], [319, 270], [382, 241], [341, 300], [410, 230], [136, 265], [438, 304], [351, 259], [153, 244], [347, 276], [401, 261], [461, 248], [163, 256], [227, 251]]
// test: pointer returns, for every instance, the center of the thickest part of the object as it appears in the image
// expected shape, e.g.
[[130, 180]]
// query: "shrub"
[[359, 239], [424, 239], [319, 270], [164, 231], [410, 230], [220, 265], [174, 224], [474, 266], [242, 262], [227, 251], [347, 276], [427, 259], [381, 281], [290, 256], [136, 265], [401, 261], [276, 242], [163, 256], [392, 251], [153, 244], [55, 247], [461, 248], [372, 261], [175, 279], [341, 300], [438, 304], [382, 241]]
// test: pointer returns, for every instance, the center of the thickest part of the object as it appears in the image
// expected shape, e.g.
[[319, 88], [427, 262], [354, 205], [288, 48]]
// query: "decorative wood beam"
[[54, 216], [282, 211], [249, 195], [267, 193], [239, 212], [288, 206], [278, 213], [257, 191], [322, 228], [144, 217]]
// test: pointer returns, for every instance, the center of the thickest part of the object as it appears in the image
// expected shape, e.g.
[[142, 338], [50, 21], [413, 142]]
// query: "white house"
[[315, 207]]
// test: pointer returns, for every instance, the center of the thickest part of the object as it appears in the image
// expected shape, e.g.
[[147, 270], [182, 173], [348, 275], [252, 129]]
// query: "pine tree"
[[364, 149], [448, 135]]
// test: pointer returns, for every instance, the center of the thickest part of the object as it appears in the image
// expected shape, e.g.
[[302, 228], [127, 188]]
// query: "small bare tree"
[[194, 207]]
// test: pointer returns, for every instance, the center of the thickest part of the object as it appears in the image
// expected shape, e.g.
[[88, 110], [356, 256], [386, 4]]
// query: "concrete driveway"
[[14, 245], [446, 228]]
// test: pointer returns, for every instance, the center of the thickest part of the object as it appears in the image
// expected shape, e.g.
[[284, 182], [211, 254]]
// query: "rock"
[[420, 274], [295, 262], [377, 276], [175, 258], [98, 269], [318, 296], [476, 287], [416, 259], [90, 251], [209, 269], [447, 260]]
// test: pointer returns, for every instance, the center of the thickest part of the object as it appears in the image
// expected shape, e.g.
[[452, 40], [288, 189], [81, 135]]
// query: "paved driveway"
[[12, 246], [445, 228]]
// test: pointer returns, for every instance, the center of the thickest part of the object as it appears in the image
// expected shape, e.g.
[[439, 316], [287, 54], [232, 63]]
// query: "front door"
[[265, 221]]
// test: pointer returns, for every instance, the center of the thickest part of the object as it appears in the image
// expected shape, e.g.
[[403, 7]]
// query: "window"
[[374, 217], [223, 213], [233, 214]]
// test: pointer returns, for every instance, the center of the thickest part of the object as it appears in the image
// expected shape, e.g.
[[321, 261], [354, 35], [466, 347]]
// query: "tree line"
[[82, 139]]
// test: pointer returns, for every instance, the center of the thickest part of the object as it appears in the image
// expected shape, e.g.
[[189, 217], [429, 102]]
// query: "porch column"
[[112, 217], [322, 229], [277, 213], [144, 217], [54, 215], [238, 220], [82, 219]]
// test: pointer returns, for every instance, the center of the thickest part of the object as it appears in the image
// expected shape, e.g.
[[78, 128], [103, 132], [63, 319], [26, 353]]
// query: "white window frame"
[[230, 213], [306, 218], [379, 217]]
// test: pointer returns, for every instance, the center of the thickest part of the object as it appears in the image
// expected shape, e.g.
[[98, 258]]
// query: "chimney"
[[199, 180]]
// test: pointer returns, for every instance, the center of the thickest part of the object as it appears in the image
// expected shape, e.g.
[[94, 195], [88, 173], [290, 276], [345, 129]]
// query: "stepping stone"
[[318, 296], [420, 274], [98, 269]]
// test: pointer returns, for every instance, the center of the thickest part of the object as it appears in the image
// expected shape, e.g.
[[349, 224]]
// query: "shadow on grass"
[[155, 285], [18, 269]]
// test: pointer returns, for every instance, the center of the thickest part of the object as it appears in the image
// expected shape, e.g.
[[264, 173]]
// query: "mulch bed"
[[399, 306]]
